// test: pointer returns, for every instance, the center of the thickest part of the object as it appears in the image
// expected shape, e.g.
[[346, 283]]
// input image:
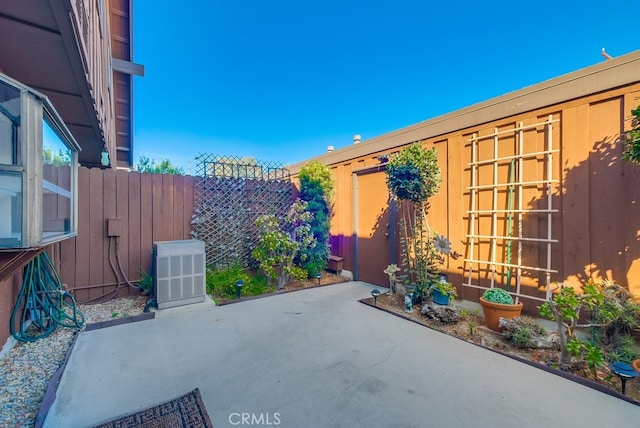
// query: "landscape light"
[[239, 285], [624, 371], [375, 293]]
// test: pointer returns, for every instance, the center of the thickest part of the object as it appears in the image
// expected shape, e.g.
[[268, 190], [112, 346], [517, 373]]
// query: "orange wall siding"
[[595, 192]]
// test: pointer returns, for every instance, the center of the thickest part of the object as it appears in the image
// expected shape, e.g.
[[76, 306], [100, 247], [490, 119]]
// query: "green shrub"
[[284, 244], [521, 338], [632, 141], [497, 295], [146, 283], [523, 332], [316, 189], [221, 283]]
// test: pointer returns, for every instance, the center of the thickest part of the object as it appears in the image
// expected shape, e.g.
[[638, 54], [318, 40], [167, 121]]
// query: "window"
[[38, 170], [57, 196], [11, 173]]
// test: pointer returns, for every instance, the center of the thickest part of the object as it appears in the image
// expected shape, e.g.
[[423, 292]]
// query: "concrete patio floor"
[[316, 358]]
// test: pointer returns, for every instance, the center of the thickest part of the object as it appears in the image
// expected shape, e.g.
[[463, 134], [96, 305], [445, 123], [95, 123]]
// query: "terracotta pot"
[[636, 365], [494, 311]]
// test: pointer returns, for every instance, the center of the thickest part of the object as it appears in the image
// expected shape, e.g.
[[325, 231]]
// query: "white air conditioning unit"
[[179, 273]]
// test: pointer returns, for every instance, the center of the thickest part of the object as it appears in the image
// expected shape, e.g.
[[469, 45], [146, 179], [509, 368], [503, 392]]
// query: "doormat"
[[187, 411]]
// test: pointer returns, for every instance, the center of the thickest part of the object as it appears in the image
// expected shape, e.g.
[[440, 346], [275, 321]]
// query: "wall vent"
[[179, 272]]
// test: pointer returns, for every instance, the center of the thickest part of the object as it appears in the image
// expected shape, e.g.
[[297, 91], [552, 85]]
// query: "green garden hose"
[[42, 304]]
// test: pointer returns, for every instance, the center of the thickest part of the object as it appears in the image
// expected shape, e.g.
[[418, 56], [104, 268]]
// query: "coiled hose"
[[42, 304]]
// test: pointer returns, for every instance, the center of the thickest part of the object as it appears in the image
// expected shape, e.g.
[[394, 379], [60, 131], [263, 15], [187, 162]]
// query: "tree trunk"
[[282, 281], [565, 356]]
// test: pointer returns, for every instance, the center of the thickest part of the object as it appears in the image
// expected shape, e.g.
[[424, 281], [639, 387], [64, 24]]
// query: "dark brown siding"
[[149, 207]]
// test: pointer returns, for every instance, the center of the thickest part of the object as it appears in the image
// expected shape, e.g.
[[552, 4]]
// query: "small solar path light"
[[318, 276], [239, 285], [624, 371], [375, 293]]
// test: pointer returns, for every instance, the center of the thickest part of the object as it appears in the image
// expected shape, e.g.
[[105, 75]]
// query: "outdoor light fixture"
[[318, 276], [239, 285], [104, 157], [624, 371], [375, 293], [384, 158]]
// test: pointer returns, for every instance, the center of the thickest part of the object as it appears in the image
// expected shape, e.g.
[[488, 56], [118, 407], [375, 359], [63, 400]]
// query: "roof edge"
[[619, 71]]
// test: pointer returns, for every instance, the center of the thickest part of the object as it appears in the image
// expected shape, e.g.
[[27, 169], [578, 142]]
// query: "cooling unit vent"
[[179, 272]]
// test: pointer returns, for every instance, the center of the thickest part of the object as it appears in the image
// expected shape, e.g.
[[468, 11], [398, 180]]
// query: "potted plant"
[[443, 291], [498, 303]]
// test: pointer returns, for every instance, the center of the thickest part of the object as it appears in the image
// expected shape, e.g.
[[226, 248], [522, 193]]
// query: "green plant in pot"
[[498, 303], [443, 291]]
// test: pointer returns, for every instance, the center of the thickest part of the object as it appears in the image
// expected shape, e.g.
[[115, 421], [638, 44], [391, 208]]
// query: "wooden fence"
[[147, 208]]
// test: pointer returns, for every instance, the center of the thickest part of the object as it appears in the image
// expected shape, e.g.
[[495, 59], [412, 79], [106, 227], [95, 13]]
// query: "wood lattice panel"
[[229, 195]]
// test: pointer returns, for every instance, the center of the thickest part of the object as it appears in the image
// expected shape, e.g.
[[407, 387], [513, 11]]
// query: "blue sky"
[[281, 80]]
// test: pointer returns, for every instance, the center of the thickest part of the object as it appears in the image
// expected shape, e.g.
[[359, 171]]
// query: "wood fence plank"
[[178, 207], [606, 173], [108, 245], [133, 225], [575, 242], [96, 232], [146, 220], [167, 207], [188, 205], [157, 208], [455, 177], [121, 251], [67, 266], [83, 240], [632, 208]]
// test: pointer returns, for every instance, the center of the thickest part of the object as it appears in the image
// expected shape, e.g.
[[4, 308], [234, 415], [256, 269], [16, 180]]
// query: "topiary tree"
[[316, 189], [282, 242], [413, 176]]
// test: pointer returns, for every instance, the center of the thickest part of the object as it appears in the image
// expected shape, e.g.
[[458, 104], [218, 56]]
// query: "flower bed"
[[471, 329]]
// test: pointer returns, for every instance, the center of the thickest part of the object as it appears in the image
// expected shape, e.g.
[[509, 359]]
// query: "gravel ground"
[[26, 369]]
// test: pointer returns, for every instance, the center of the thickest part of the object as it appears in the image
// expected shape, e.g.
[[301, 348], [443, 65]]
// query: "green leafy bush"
[[632, 141], [522, 332], [164, 167], [221, 283], [283, 244], [613, 317], [316, 189], [497, 295], [446, 288], [146, 283]]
